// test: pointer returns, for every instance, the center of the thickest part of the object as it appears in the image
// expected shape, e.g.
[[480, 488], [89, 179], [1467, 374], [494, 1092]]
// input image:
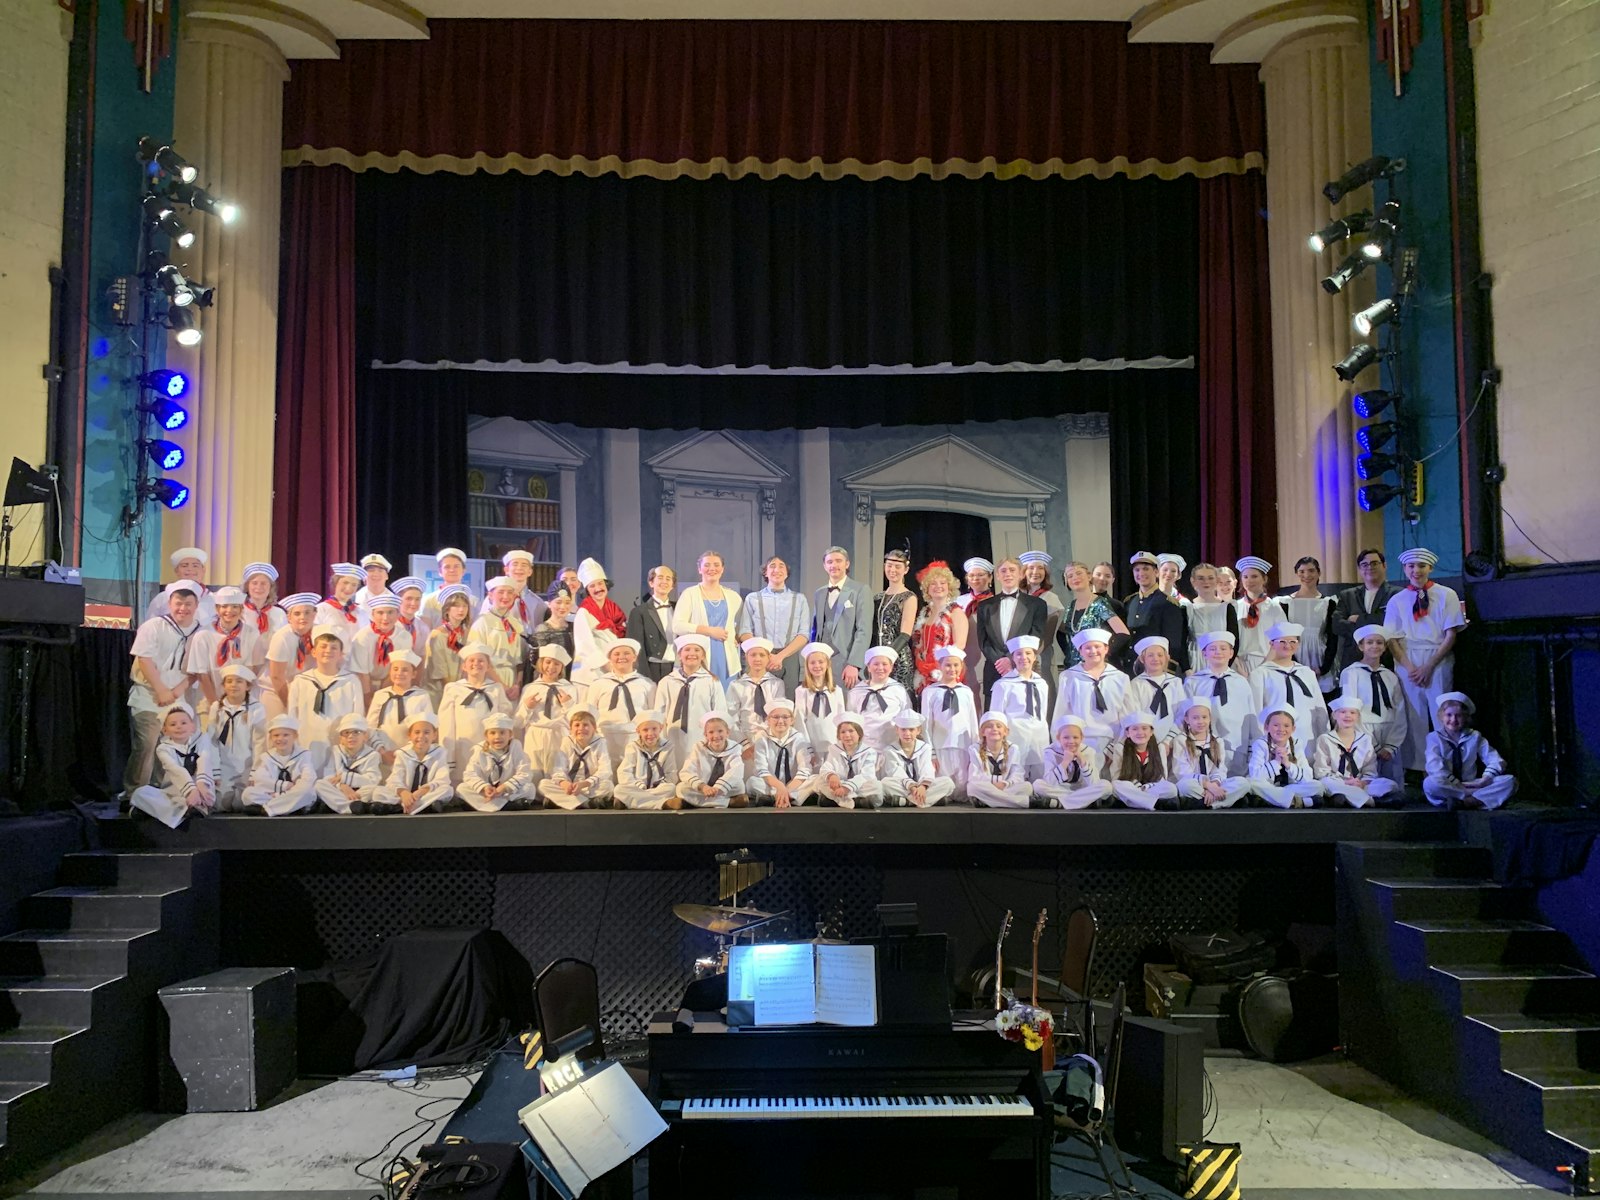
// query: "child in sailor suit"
[[320, 696], [1423, 622], [848, 775], [752, 691], [1024, 697], [907, 769], [355, 772], [580, 776], [465, 704], [1256, 613], [997, 775], [688, 693], [498, 775], [951, 716], [1464, 770], [782, 769], [1279, 772], [1136, 767], [619, 694], [713, 774], [1155, 689], [648, 776], [225, 641], [186, 766], [1378, 688], [1281, 681], [390, 711], [419, 781], [1092, 689], [339, 609], [1345, 759], [499, 630], [544, 708], [817, 701], [1228, 693], [284, 775], [1071, 776], [376, 643], [878, 698], [237, 727], [1199, 760], [289, 652]]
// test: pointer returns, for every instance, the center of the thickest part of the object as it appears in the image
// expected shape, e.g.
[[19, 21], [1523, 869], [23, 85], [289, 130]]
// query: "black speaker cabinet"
[[230, 1040], [1159, 1094]]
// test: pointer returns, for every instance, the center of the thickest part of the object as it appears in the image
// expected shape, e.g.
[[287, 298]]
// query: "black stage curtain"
[[412, 428], [777, 273], [960, 535]]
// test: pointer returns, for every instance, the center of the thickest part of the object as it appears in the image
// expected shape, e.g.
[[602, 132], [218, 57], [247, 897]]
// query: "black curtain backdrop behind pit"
[[411, 427], [777, 273]]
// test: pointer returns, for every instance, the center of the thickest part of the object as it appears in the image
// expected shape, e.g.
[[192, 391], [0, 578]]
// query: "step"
[[1412, 860], [1480, 940], [1412, 898], [13, 1094], [1583, 1137], [1571, 1094], [68, 951], [1543, 1039], [121, 906], [28, 1052], [1520, 987], [102, 868], [58, 1000]]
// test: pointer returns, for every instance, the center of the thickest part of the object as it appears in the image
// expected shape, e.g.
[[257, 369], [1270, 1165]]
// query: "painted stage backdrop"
[[634, 498]]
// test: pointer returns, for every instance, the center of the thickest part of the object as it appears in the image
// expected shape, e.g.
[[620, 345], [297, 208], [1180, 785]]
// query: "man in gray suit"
[[843, 619]]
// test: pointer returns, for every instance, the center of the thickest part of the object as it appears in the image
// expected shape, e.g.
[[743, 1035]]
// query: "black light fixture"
[[197, 198], [166, 158], [171, 384], [1381, 237], [1336, 232], [1374, 315], [170, 492], [1361, 357], [1375, 495], [163, 219], [183, 326], [166, 455], [1352, 266], [1376, 167], [171, 281], [1376, 436], [205, 294], [169, 414], [1371, 404], [1371, 466]]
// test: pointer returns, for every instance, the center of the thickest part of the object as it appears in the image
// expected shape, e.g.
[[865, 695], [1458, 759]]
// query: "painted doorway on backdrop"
[[934, 533]]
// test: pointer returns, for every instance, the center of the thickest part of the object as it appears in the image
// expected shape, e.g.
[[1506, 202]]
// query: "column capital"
[[1341, 36], [206, 30]]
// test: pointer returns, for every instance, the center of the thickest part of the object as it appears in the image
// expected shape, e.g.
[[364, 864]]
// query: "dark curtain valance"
[[868, 99], [777, 273]]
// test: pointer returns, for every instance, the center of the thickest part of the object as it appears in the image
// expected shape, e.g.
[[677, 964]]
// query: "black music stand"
[[23, 487]]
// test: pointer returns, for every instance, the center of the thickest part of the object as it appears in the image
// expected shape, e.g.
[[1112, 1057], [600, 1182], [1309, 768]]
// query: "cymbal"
[[717, 918]]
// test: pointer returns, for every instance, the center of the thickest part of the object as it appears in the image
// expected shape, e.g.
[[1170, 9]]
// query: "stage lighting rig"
[[182, 324], [1371, 466], [168, 414], [171, 384], [1361, 356], [159, 215], [166, 159], [1385, 230], [166, 455], [1375, 495], [1373, 403], [197, 198], [1336, 232], [173, 285], [1374, 437], [1358, 176], [170, 492], [1374, 315], [1352, 266]]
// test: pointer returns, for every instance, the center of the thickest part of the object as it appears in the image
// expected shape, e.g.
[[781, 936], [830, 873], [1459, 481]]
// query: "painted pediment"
[[716, 458], [948, 464], [493, 439]]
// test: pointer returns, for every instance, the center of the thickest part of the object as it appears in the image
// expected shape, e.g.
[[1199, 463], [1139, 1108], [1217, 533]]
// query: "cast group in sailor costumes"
[[380, 696]]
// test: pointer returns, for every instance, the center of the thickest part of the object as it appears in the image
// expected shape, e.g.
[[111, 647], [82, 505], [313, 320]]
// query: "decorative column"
[[1318, 125], [229, 123]]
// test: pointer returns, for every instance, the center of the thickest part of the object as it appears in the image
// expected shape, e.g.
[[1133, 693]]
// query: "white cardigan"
[[691, 611]]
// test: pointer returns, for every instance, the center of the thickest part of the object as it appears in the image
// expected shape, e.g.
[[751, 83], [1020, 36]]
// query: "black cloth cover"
[[429, 998], [1541, 846]]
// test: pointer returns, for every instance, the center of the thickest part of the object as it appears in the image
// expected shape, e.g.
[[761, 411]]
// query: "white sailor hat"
[[888, 652], [498, 721], [283, 721], [1460, 698], [178, 706], [1285, 629], [350, 569], [1216, 635], [239, 669], [352, 723], [404, 656], [1143, 556], [318, 632], [1071, 719], [1139, 716], [259, 568], [511, 556], [182, 585], [300, 600], [624, 644], [1276, 708], [906, 718], [756, 643], [1028, 557], [227, 595], [582, 710], [556, 651], [425, 717], [589, 571], [1367, 631], [693, 639], [1095, 634], [1419, 554], [652, 715], [716, 714], [996, 716], [500, 581], [450, 591], [1023, 641], [781, 704], [177, 556], [1347, 701], [978, 564], [940, 653], [450, 552], [1251, 562], [376, 560], [383, 601], [472, 648], [1151, 643], [1182, 708], [846, 717], [811, 648], [410, 581], [1176, 560]]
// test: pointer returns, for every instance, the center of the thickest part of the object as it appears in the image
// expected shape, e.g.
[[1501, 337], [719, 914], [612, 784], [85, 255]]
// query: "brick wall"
[[1538, 77]]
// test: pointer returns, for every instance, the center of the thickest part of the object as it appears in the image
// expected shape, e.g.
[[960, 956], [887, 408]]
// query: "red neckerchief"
[[1419, 606], [301, 650], [1253, 615], [607, 617], [522, 609], [510, 630], [228, 648], [384, 648], [455, 636], [261, 615], [348, 608]]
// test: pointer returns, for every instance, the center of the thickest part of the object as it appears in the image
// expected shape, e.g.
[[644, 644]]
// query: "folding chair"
[[1096, 1130]]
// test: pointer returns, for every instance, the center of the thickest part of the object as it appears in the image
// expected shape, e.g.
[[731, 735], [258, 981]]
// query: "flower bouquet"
[[1029, 1024]]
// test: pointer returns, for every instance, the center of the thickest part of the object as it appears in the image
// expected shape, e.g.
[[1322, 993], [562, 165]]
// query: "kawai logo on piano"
[[847, 1053]]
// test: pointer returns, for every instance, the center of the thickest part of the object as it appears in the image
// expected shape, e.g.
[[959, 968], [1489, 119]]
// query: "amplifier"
[[1159, 1088], [37, 602]]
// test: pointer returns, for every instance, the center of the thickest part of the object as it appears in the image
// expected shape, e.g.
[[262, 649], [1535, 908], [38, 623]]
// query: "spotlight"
[[197, 198], [1343, 227], [1374, 315], [169, 383], [1371, 404], [1377, 436], [1376, 167], [1358, 360], [166, 455], [168, 415], [1375, 495], [167, 159], [1352, 266], [1380, 241], [205, 294], [171, 281], [1370, 466], [160, 215], [169, 491], [181, 322]]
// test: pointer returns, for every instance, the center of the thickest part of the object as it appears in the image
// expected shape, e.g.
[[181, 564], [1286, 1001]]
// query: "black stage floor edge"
[[798, 827]]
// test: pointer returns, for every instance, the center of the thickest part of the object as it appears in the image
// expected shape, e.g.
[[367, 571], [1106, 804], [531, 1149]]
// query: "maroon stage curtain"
[[1238, 461], [897, 98], [314, 453]]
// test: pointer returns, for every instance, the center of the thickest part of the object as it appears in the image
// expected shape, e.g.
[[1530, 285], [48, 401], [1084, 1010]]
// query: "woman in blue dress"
[[710, 609]]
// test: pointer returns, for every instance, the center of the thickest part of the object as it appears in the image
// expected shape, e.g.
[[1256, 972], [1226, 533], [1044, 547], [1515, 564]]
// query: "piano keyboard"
[[762, 1108]]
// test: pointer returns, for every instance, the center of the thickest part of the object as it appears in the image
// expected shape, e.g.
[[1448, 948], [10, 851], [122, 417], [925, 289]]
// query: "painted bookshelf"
[[516, 508]]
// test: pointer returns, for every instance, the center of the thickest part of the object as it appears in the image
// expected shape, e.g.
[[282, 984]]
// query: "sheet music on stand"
[[591, 1126], [802, 983]]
